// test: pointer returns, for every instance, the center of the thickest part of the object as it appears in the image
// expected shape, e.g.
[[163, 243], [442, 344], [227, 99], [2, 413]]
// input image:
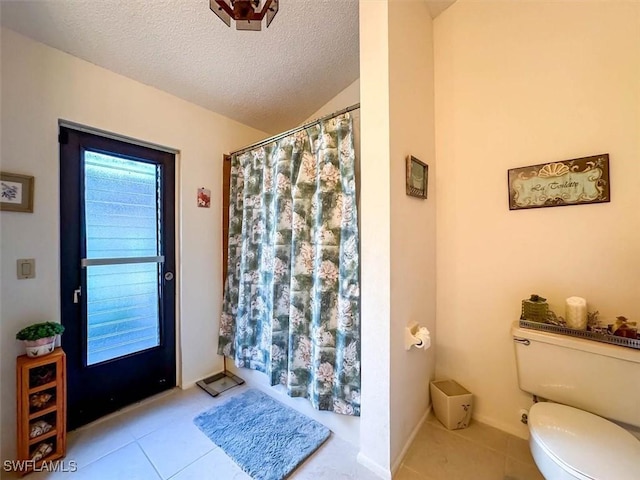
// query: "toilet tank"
[[597, 377]]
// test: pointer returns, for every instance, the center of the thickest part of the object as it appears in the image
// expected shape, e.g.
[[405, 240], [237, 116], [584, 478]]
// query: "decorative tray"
[[598, 337]]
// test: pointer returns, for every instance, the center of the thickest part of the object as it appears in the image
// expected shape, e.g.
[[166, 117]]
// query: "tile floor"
[[158, 440], [478, 452]]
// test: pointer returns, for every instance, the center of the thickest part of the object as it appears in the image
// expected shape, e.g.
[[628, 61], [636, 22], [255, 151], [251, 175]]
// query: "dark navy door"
[[117, 234]]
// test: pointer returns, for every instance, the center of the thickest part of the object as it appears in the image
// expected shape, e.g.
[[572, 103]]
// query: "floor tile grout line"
[[120, 413], [130, 408], [477, 442], [474, 442], [155, 429], [191, 463], [161, 426], [509, 456], [133, 437], [119, 447], [504, 467], [169, 423], [402, 465], [110, 452], [149, 460]]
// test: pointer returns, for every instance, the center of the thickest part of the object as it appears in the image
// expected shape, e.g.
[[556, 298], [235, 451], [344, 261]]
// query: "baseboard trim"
[[505, 427], [380, 471], [398, 461], [189, 384]]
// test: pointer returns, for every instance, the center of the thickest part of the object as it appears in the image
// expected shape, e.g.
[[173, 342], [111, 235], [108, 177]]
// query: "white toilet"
[[568, 440]]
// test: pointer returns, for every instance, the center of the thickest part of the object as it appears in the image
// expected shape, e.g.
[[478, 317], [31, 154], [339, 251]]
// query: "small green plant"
[[40, 330]]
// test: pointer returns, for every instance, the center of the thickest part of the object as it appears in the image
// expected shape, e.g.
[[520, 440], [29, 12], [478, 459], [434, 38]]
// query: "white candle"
[[576, 313]]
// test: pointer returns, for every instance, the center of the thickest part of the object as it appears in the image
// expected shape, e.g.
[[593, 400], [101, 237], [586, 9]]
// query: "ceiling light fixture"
[[248, 14]]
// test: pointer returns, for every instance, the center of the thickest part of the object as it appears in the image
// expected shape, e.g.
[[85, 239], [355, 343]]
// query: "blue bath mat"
[[267, 439]]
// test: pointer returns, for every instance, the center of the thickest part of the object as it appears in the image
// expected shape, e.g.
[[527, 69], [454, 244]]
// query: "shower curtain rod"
[[294, 130]]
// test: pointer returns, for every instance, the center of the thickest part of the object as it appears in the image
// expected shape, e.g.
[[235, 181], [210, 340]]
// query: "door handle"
[[168, 276], [76, 293]]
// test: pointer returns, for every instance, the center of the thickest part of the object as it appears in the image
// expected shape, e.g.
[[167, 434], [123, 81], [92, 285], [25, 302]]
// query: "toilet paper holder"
[[416, 336]]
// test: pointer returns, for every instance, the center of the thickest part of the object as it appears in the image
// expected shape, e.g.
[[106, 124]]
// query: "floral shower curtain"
[[291, 300]]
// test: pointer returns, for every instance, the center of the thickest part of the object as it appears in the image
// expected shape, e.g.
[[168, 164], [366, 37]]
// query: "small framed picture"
[[17, 192], [204, 197], [417, 177]]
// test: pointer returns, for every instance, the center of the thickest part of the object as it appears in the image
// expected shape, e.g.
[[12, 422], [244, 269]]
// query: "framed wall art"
[[16, 194], [417, 177], [568, 182], [204, 197]]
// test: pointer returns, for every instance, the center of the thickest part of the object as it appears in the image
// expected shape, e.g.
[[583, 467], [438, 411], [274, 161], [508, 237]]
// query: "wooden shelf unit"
[[55, 408]]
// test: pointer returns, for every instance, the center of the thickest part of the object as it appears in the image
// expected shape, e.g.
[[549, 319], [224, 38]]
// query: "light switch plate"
[[26, 268]]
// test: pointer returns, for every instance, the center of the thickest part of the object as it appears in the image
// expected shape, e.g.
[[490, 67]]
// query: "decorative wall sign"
[[570, 182], [417, 177], [204, 197], [16, 192]]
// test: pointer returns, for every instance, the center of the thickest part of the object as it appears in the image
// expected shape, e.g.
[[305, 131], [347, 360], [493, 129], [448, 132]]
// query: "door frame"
[[177, 227]]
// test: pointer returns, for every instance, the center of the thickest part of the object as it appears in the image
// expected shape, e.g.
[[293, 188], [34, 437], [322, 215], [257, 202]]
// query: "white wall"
[[347, 97], [41, 85], [522, 83], [398, 232], [375, 236], [413, 220], [345, 427]]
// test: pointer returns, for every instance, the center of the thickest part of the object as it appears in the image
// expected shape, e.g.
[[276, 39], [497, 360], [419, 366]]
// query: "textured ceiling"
[[271, 80]]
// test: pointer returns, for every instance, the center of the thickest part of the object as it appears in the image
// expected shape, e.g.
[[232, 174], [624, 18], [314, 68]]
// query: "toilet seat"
[[583, 445]]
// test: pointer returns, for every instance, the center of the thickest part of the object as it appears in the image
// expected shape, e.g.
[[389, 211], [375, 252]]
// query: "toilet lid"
[[581, 442]]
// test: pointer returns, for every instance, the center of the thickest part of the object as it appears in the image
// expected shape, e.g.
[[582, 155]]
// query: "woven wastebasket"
[[452, 403]]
